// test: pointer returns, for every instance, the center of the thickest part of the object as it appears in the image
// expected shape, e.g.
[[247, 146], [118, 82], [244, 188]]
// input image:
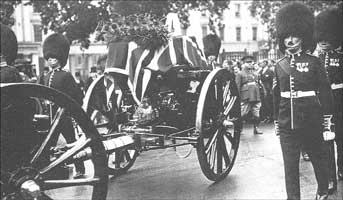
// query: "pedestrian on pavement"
[[56, 51], [302, 99], [91, 77], [249, 91], [266, 76], [328, 34], [79, 82]]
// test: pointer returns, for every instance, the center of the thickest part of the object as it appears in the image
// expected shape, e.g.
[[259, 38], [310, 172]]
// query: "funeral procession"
[[171, 99]]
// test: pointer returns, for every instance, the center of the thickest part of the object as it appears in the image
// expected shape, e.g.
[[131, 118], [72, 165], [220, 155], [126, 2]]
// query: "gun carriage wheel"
[[122, 159], [34, 159], [218, 124]]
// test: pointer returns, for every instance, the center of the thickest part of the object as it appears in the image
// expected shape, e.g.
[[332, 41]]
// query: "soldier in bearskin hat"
[[302, 99], [328, 35], [56, 51], [212, 44], [9, 48]]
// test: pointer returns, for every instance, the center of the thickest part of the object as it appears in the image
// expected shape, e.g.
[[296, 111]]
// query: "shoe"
[[340, 175], [79, 175], [306, 157], [257, 131], [322, 197], [332, 187]]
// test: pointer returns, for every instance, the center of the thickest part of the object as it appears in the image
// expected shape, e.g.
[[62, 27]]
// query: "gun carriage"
[[181, 107]]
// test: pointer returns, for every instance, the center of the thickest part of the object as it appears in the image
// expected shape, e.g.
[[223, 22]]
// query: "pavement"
[[257, 174]]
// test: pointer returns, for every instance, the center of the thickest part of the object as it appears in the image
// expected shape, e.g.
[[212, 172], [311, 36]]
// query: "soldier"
[[212, 44], [249, 91], [56, 52], [328, 35], [302, 99], [9, 48]]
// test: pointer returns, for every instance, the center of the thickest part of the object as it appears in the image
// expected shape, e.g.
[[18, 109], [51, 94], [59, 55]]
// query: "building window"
[[254, 33], [238, 33], [204, 30], [79, 60], [37, 32], [238, 10], [35, 9], [221, 33]]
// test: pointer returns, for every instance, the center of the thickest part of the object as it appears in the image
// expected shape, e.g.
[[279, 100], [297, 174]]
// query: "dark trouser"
[[338, 121], [68, 132], [309, 139]]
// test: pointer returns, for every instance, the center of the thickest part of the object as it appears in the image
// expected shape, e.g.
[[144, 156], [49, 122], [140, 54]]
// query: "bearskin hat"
[[295, 19], [212, 44], [56, 46], [329, 27], [9, 44]]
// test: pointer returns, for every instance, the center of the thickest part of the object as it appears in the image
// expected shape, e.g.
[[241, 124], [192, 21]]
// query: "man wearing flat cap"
[[302, 99], [56, 51], [249, 91], [328, 35]]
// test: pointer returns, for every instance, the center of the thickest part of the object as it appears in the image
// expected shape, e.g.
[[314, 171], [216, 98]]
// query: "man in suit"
[[249, 91], [302, 99], [56, 51], [328, 35]]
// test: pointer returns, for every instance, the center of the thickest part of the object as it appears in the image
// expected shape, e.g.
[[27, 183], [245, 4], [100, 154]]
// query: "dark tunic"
[[309, 75]]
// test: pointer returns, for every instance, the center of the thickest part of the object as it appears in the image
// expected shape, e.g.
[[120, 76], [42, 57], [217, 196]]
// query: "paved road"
[[257, 174]]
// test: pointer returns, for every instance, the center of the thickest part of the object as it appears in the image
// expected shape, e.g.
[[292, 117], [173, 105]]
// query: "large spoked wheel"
[[37, 163], [218, 124], [120, 161]]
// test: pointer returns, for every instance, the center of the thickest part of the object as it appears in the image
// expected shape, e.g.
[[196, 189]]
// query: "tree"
[[6, 11], [78, 19], [266, 11]]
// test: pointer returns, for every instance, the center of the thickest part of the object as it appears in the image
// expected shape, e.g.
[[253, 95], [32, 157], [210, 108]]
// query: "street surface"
[[257, 174]]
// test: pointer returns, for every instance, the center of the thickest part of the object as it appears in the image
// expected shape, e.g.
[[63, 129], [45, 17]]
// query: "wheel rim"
[[46, 161], [217, 125]]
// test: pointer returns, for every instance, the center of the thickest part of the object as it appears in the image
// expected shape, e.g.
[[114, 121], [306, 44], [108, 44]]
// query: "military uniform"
[[302, 99], [328, 36], [301, 96], [57, 46]]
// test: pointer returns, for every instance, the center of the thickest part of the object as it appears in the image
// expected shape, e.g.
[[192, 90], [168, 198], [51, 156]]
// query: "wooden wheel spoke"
[[230, 138], [79, 145], [229, 104], [52, 131], [220, 154], [225, 152], [210, 143], [55, 184]]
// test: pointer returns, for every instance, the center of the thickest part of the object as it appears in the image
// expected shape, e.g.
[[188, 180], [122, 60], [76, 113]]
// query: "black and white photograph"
[[171, 99]]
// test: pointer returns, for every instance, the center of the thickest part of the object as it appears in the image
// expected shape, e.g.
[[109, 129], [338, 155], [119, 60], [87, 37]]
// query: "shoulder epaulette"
[[310, 54]]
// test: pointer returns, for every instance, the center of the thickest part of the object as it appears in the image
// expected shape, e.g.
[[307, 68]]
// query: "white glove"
[[328, 134], [276, 124]]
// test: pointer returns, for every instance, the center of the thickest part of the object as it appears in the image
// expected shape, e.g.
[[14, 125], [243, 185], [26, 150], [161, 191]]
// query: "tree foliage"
[[266, 11], [79, 18]]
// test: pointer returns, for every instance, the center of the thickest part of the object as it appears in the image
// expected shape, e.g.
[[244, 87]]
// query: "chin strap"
[[277, 131]]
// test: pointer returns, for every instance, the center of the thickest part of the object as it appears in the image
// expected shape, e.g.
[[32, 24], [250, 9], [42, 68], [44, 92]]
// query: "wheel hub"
[[25, 182]]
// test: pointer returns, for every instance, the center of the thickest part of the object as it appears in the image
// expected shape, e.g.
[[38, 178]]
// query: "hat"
[[247, 57], [9, 44], [212, 44], [93, 69], [56, 46], [328, 26], [295, 19]]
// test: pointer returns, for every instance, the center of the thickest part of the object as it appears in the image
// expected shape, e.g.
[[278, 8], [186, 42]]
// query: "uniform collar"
[[3, 62], [290, 55]]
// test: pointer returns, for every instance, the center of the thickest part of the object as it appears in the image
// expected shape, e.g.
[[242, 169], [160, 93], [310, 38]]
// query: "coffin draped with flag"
[[138, 64]]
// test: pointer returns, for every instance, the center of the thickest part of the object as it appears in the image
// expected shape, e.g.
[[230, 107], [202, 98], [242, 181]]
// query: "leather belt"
[[298, 94], [335, 86], [250, 83]]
